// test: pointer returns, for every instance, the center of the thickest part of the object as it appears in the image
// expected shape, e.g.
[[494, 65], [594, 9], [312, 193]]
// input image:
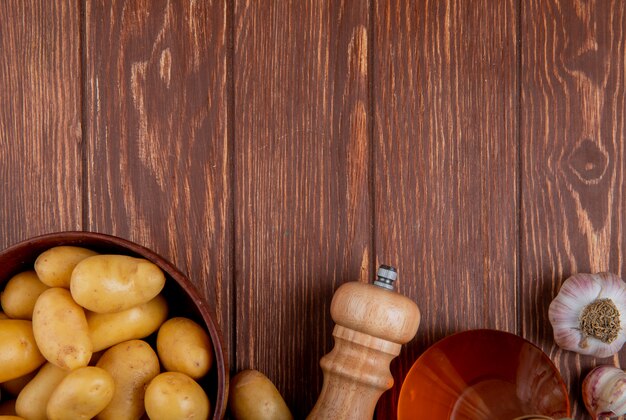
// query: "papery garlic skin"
[[604, 391], [576, 294]]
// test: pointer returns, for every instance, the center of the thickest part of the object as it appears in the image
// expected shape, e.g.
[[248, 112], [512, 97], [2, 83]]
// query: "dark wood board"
[[445, 154], [157, 152], [302, 192], [572, 148], [274, 150], [40, 119]]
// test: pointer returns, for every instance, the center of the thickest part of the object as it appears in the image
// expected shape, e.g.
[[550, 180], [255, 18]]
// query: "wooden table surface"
[[273, 150]]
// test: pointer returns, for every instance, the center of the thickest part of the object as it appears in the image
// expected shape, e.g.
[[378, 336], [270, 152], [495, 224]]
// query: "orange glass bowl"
[[180, 293], [483, 375]]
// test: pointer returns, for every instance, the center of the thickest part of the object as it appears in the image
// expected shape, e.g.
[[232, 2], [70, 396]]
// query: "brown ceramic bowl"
[[181, 295], [483, 375]]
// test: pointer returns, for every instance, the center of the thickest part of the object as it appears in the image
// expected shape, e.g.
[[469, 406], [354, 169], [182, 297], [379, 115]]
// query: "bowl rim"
[[546, 359], [207, 313]]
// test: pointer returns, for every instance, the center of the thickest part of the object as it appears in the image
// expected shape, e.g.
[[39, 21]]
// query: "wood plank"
[[158, 158], [445, 153], [302, 199], [40, 119], [572, 134]]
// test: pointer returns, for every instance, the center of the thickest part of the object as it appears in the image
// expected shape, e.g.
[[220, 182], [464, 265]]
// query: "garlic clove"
[[579, 289], [601, 350], [588, 315], [611, 284], [604, 391]]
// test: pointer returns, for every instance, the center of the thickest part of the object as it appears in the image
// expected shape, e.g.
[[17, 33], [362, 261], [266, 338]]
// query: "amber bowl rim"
[[208, 315], [546, 359]]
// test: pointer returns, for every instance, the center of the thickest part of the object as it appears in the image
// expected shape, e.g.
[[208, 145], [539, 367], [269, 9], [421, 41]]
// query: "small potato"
[[253, 396], [113, 283], [19, 354], [61, 330], [132, 364], [54, 266], [174, 396], [20, 294], [185, 347], [81, 395], [15, 386], [140, 321], [32, 401]]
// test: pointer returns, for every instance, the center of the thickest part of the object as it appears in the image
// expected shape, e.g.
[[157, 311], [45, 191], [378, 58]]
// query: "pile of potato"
[[71, 348]]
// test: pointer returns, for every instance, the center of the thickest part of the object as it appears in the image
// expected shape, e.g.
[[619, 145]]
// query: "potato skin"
[[174, 396], [113, 283], [20, 294], [81, 395], [253, 396], [185, 347], [132, 365], [54, 266], [140, 321], [19, 354], [32, 401], [61, 330]]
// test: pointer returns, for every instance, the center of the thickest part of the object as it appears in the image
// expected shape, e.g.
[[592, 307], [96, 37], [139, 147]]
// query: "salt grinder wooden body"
[[372, 322]]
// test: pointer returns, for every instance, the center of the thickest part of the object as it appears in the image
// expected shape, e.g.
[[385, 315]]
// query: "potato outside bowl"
[[181, 295]]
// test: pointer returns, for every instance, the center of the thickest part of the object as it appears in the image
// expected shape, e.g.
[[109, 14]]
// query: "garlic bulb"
[[604, 391], [588, 315]]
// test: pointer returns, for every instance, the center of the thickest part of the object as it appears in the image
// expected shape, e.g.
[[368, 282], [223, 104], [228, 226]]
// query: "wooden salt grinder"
[[372, 322]]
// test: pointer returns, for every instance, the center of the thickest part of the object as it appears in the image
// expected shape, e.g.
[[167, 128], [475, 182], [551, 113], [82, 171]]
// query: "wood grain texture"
[[40, 119], [302, 200], [158, 159], [572, 139], [274, 150], [445, 153]]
